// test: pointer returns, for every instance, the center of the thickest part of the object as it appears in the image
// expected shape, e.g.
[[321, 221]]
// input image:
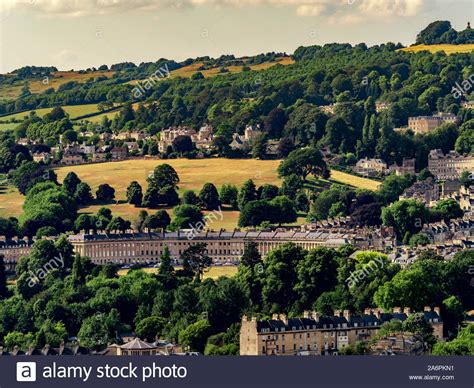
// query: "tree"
[[247, 193], [285, 146], [182, 144], [83, 222], [149, 328], [209, 197], [316, 273], [100, 329], [259, 147], [280, 277], [83, 194], [407, 217], [462, 345], [118, 224], [134, 194], [70, 183], [186, 216], [302, 202], [304, 162], [195, 335], [453, 315], [29, 174], [285, 212], [419, 239], [105, 193], [190, 198], [274, 123], [166, 267], [446, 210], [466, 178], [162, 176], [160, 220], [251, 256], [268, 192], [255, 212], [196, 259], [291, 185], [421, 329], [228, 195]]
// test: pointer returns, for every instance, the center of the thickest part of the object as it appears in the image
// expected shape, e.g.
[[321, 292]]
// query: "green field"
[[447, 48], [212, 273], [73, 111], [193, 174], [7, 126]]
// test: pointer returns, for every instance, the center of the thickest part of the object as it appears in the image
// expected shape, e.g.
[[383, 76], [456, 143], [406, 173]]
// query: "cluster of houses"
[[377, 167], [315, 334], [133, 347]]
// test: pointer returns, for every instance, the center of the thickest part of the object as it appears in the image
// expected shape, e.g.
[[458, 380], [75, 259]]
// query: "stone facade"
[[314, 334], [425, 124], [449, 166], [426, 191]]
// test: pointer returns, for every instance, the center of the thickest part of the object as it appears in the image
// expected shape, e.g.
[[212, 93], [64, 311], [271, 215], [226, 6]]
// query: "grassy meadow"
[[193, 175], [39, 85], [72, 110]]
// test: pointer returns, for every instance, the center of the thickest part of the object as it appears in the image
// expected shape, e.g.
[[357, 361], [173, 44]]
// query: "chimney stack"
[[378, 312], [347, 314], [275, 317], [407, 310], [437, 310], [397, 310], [427, 309], [284, 318], [315, 315], [337, 313], [307, 314]]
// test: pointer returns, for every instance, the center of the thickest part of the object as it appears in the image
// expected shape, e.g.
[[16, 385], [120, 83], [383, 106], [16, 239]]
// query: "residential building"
[[119, 153], [468, 104], [464, 196], [99, 157], [12, 250], [425, 124], [222, 246], [370, 167], [381, 106], [42, 157], [201, 139], [407, 167], [426, 191], [314, 334], [71, 158], [449, 166]]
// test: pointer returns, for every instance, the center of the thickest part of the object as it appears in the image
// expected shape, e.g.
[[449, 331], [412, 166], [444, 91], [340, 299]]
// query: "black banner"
[[247, 372]]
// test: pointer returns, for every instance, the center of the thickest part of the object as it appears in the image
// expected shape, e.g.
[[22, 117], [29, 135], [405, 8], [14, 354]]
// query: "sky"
[[77, 34]]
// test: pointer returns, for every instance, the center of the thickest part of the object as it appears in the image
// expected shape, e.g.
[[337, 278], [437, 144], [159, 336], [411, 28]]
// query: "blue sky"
[[75, 34]]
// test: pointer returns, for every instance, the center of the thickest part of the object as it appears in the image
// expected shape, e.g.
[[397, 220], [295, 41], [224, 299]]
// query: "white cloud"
[[350, 11]]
